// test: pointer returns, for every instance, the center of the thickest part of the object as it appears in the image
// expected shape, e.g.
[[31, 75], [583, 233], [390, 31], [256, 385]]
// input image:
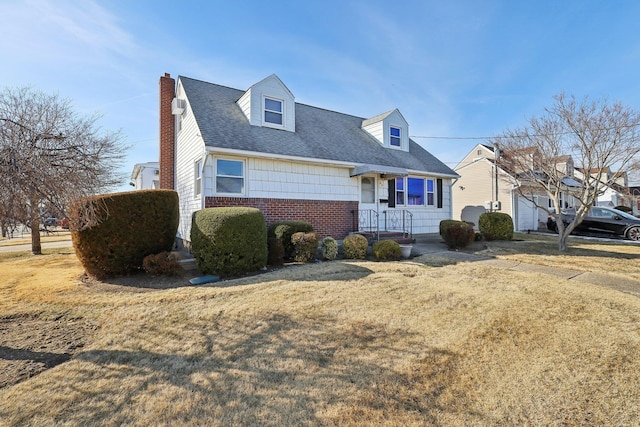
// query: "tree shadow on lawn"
[[278, 371], [575, 248]]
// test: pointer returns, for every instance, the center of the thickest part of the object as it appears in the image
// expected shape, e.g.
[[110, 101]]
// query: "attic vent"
[[178, 106]]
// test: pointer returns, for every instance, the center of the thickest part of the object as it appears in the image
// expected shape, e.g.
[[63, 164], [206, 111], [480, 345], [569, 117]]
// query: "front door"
[[368, 208]]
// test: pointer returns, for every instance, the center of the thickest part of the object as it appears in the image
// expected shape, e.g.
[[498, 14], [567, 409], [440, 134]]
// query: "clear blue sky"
[[453, 68]]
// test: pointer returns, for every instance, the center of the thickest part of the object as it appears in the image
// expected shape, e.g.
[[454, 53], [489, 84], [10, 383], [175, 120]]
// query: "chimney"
[[167, 133]]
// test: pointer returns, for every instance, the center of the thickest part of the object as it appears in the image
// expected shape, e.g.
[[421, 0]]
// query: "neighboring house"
[[483, 187], [257, 147], [634, 192], [145, 176], [616, 191]]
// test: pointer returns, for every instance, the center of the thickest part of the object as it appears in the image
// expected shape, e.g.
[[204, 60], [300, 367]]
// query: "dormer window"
[[273, 111], [394, 136]]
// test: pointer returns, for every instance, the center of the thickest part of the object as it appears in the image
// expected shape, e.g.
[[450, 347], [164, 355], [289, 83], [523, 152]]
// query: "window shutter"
[[439, 192], [391, 184]]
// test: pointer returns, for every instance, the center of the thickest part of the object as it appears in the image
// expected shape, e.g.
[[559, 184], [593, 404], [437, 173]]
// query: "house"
[[145, 176], [486, 185], [257, 147], [616, 190]]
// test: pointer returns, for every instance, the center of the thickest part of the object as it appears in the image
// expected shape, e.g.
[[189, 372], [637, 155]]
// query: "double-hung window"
[[273, 111], [229, 176], [394, 136], [197, 178], [430, 193], [399, 191]]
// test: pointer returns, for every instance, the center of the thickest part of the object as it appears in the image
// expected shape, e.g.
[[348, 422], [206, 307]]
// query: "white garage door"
[[527, 215]]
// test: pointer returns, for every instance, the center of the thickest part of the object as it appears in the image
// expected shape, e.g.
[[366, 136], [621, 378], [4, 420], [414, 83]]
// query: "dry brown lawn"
[[420, 342]]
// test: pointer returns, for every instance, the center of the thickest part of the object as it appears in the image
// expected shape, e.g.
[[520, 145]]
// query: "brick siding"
[[329, 218]]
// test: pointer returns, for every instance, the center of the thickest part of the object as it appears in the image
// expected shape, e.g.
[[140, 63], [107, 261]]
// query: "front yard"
[[423, 341]]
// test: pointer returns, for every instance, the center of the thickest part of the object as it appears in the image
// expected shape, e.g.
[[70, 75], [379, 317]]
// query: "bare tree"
[[599, 136], [50, 156]]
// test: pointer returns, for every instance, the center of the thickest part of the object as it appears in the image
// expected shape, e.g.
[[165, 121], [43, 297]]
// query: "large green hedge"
[[496, 226], [112, 233], [229, 241]]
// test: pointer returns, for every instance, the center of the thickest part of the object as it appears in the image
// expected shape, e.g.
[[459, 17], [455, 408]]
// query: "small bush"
[[306, 246], [386, 250], [112, 233], [458, 235], [446, 223], [283, 230], [276, 251], [355, 246], [496, 226], [161, 264], [329, 248], [229, 241]]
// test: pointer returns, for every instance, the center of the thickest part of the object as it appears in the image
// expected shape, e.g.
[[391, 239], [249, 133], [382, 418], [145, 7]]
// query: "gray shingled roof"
[[320, 134]]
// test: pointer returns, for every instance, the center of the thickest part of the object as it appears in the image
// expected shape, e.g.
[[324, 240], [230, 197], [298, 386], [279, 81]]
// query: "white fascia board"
[[244, 153], [427, 173]]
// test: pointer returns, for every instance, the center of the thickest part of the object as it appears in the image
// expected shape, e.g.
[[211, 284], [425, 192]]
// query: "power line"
[[518, 136]]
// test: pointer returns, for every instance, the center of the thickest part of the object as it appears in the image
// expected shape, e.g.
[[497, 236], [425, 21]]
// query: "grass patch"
[[337, 343]]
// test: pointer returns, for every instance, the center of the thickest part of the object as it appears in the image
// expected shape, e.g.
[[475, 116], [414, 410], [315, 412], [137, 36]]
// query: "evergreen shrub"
[[459, 235], [283, 230], [386, 250], [305, 246], [355, 246], [229, 241], [446, 223], [113, 233], [276, 251], [496, 226], [329, 248]]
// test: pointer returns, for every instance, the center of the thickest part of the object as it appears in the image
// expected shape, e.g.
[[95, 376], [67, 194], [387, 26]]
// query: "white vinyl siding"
[[189, 148], [287, 180]]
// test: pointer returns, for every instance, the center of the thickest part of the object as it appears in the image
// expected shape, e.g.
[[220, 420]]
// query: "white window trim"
[[264, 109], [244, 176], [397, 147]]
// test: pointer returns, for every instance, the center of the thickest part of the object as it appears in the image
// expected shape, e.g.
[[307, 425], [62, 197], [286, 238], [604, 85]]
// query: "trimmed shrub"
[[283, 230], [496, 226], [306, 246], [229, 241], [276, 251], [329, 248], [458, 235], [355, 246], [446, 223], [162, 264], [113, 233], [386, 250]]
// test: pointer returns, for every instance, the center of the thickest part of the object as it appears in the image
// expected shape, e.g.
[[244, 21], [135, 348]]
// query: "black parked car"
[[603, 220]]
